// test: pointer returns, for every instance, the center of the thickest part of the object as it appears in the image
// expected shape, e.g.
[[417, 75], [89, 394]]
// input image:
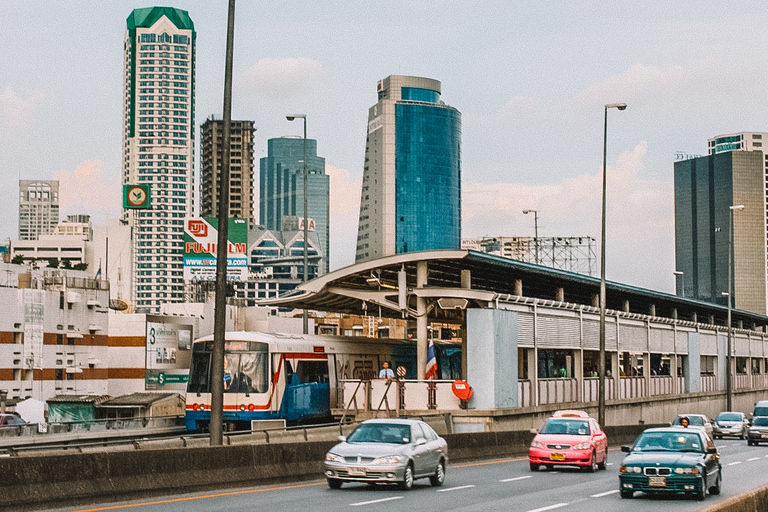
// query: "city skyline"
[[530, 82]]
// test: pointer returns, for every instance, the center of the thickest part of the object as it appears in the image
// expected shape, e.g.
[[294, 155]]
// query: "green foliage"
[[18, 259], [80, 266], [66, 264], [53, 262]]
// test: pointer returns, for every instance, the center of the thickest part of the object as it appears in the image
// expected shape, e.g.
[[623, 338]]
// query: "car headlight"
[[388, 459], [630, 469], [536, 444], [582, 446], [331, 457], [687, 471]]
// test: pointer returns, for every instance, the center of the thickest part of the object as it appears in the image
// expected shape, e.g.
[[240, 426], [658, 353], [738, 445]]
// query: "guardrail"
[[392, 396]]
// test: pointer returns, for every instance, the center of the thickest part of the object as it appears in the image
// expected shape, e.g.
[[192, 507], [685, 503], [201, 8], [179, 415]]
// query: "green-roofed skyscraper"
[[158, 148]]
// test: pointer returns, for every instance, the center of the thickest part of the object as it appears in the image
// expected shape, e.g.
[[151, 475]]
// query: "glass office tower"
[[411, 193], [705, 189], [158, 147], [281, 189]]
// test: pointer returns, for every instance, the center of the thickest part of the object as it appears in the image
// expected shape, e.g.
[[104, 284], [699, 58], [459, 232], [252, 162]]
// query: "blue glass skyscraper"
[[411, 193], [281, 188]]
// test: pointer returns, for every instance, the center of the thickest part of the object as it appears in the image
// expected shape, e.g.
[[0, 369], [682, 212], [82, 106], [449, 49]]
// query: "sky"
[[530, 78]]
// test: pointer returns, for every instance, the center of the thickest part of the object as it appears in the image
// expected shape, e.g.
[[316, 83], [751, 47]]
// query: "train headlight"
[[195, 407], [242, 407], [251, 407]]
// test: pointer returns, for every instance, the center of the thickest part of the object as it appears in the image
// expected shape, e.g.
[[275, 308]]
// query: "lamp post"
[[306, 241], [535, 231], [728, 369], [682, 281], [601, 357]]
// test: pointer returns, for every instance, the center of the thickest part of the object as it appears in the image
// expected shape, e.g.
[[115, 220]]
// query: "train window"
[[198, 374], [246, 372], [312, 371]]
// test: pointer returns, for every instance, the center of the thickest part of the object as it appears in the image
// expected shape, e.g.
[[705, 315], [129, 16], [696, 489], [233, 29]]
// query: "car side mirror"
[[534, 431], [342, 438], [626, 449], [712, 449], [420, 441]]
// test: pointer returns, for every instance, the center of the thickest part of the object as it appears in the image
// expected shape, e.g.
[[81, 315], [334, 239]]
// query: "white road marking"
[[609, 464], [551, 507], [753, 458], [516, 478], [375, 501], [733, 463], [600, 495], [456, 488]]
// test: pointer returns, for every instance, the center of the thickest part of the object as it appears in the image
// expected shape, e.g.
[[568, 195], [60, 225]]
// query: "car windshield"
[[694, 421], [761, 421], [729, 416], [668, 442], [567, 427], [381, 433], [760, 411]]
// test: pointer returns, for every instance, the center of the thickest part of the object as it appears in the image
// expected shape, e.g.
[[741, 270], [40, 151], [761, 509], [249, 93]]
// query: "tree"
[[66, 264], [53, 262], [80, 266], [18, 259]]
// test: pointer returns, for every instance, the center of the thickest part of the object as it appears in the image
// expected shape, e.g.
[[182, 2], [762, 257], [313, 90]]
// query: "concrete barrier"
[[755, 501], [76, 478]]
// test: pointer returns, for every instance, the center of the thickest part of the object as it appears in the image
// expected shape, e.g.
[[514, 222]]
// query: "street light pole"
[[535, 231], [305, 319], [682, 282], [601, 357], [728, 369]]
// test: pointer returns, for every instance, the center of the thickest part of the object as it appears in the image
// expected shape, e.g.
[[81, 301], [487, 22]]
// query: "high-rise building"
[[281, 182], [411, 194], [38, 208], [240, 168], [733, 174], [158, 147]]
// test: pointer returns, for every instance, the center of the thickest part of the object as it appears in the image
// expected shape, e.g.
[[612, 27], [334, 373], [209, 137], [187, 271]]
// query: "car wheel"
[[626, 494], [749, 442], [702, 492], [334, 483], [407, 482], [604, 465], [715, 489], [592, 464], [534, 467], [439, 477]]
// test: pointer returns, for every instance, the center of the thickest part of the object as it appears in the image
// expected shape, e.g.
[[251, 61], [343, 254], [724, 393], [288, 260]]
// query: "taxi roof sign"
[[570, 414]]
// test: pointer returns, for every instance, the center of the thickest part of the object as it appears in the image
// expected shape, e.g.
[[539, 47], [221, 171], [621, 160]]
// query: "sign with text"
[[200, 245], [168, 352]]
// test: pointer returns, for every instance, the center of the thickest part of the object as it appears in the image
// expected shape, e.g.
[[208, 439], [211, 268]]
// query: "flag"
[[431, 372], [98, 272]]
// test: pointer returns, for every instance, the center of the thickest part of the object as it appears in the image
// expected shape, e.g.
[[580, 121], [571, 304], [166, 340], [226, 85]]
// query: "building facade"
[[411, 192], [282, 188], [705, 189], [240, 168], [38, 208], [158, 147]]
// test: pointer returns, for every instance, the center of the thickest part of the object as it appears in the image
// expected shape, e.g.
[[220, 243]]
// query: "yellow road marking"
[[191, 498]]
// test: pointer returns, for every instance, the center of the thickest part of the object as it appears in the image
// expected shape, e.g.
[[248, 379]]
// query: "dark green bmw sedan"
[[671, 460]]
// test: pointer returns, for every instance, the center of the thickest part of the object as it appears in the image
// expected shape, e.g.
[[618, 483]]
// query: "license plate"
[[657, 481], [556, 456], [356, 472]]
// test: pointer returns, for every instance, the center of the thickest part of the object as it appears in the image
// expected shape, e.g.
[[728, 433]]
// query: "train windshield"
[[246, 367]]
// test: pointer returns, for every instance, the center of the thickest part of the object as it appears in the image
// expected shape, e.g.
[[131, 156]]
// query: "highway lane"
[[504, 484]]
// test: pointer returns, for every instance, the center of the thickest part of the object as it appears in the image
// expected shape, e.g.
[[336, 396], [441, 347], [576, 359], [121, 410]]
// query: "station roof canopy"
[[492, 279]]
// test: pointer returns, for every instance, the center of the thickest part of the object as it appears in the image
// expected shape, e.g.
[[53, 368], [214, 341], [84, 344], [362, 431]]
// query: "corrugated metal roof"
[[137, 399], [78, 399]]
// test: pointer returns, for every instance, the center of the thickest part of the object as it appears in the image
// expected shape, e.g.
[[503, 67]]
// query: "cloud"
[[281, 77], [640, 217], [86, 190], [16, 111]]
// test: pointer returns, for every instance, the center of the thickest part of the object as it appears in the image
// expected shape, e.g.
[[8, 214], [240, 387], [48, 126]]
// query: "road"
[[504, 484]]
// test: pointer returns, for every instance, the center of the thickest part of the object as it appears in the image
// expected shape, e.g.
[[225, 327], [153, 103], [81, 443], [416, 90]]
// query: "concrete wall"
[[492, 358]]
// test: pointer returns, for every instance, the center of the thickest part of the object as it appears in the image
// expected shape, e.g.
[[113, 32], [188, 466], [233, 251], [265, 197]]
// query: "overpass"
[[530, 336]]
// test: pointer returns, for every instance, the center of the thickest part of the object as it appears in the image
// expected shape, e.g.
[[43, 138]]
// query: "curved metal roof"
[[492, 278]]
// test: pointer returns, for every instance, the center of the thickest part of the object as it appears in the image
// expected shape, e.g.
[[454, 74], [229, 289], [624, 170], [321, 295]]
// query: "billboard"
[[136, 197], [168, 353], [200, 245]]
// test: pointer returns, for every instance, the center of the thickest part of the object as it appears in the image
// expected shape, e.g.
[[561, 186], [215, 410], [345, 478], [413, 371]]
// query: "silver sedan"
[[388, 451]]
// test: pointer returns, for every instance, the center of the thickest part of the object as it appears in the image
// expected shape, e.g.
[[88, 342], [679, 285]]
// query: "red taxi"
[[569, 438]]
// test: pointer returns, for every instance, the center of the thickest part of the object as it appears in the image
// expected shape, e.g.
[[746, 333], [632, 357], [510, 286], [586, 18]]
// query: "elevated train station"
[[530, 336]]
